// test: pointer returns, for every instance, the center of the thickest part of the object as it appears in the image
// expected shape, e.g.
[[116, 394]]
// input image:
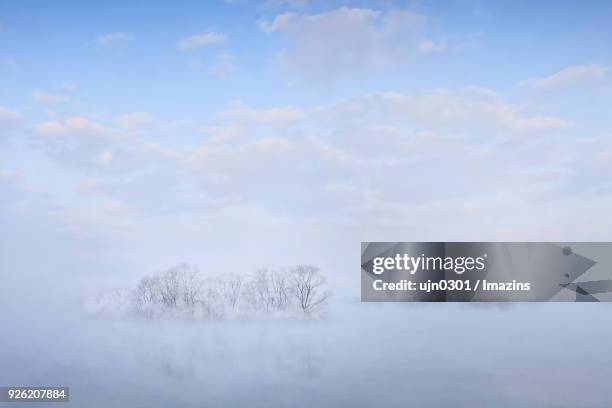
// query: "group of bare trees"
[[177, 290], [306, 285], [182, 291], [301, 287]]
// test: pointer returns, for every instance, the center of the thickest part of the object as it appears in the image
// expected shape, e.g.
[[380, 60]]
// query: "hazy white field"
[[361, 355]]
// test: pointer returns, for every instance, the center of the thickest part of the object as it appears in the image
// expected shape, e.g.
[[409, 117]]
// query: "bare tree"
[[182, 292], [308, 288], [257, 291], [279, 290], [189, 284], [174, 289], [211, 300], [230, 287], [146, 296]]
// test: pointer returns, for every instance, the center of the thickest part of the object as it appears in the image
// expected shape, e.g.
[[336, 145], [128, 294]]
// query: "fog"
[[361, 354], [238, 135]]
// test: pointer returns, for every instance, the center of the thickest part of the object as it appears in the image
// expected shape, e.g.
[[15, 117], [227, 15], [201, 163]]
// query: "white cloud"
[[86, 185], [73, 126], [8, 121], [201, 40], [466, 112], [83, 143], [112, 38], [280, 21], [105, 158], [133, 120], [8, 62], [480, 90], [224, 65], [355, 154], [223, 134], [275, 116], [431, 46], [370, 166], [269, 173], [45, 98], [346, 41], [285, 3], [8, 117], [10, 190], [326, 152], [79, 141], [8, 175], [68, 86], [380, 157], [571, 76]]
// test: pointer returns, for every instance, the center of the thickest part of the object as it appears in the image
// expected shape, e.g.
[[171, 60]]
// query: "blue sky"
[[136, 135], [55, 44]]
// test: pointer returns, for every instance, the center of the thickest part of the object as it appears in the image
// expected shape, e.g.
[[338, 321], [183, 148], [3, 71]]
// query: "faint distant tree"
[[211, 300], [189, 284], [182, 292], [146, 296], [230, 287], [268, 290], [116, 302], [279, 290], [176, 288], [258, 292], [308, 288]]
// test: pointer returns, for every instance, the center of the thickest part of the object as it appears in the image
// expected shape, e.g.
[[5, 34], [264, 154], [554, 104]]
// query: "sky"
[[235, 135]]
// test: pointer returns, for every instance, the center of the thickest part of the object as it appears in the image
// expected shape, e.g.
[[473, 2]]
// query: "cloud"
[[465, 111], [86, 185], [373, 165], [68, 86], [269, 173], [8, 117], [285, 3], [571, 76], [79, 141], [431, 46], [112, 38], [105, 158], [200, 40], [224, 64], [8, 62], [133, 120], [277, 115], [354, 154], [8, 175], [73, 126], [223, 134], [108, 146], [384, 158], [10, 190], [480, 90], [8, 121], [45, 98], [280, 21], [346, 41], [311, 161]]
